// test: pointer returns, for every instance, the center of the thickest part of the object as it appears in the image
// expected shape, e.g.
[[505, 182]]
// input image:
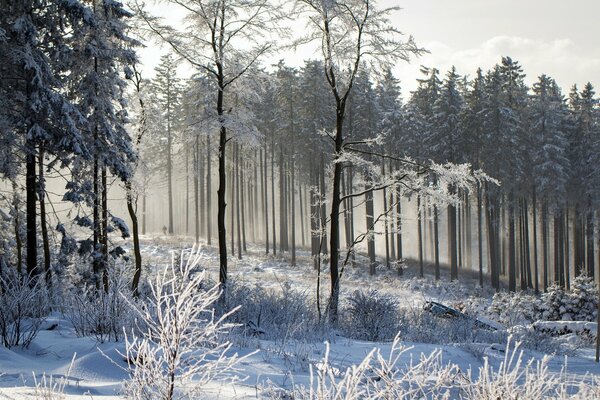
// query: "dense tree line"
[[538, 226], [326, 156]]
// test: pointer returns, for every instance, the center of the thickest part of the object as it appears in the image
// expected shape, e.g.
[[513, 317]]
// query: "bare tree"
[[351, 33], [225, 38]]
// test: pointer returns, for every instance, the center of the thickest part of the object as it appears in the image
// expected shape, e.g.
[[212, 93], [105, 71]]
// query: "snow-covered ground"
[[83, 364]]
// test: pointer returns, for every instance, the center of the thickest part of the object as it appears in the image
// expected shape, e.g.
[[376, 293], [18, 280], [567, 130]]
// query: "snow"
[[279, 363]]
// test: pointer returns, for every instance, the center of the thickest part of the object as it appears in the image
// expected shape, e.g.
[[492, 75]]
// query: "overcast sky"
[[560, 38]]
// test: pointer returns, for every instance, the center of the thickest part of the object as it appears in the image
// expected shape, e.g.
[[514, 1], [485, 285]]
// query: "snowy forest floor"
[[280, 362]]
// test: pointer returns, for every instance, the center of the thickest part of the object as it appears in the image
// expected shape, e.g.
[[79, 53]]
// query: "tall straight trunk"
[[349, 186], [590, 239], [232, 187], [512, 283], [452, 242], [536, 286], [468, 231], [169, 177], [322, 207], [369, 225], [480, 236], [302, 233], [521, 238], [346, 202], [202, 194], [578, 244], [242, 206], [527, 249], [17, 227], [420, 235], [334, 237], [131, 198], [265, 196], [221, 191], [209, 193], [399, 255], [198, 190], [491, 216], [314, 217], [273, 196], [196, 193], [187, 191], [255, 215], [436, 242], [282, 206], [545, 234], [459, 230], [238, 206], [43, 222], [565, 241], [386, 225], [144, 197], [104, 229], [293, 213], [392, 222], [97, 225]]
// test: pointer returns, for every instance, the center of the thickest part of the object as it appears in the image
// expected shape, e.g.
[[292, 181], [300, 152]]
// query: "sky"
[[559, 38]]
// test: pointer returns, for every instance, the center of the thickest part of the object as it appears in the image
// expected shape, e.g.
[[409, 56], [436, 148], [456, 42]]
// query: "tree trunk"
[[369, 225], [293, 215], [197, 175], [536, 286], [436, 242], [209, 192], [238, 205], [386, 225], [273, 196], [18, 240], [334, 237], [322, 206], [104, 229], [43, 222], [512, 283], [131, 208], [420, 235], [221, 204], [187, 191], [399, 255], [302, 233], [590, 239], [480, 236], [452, 242], [169, 174]]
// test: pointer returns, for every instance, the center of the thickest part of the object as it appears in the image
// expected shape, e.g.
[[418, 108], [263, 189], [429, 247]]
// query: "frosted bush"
[[514, 308], [387, 377], [177, 348], [380, 377], [101, 314], [419, 325], [581, 304], [270, 313], [371, 316], [23, 307]]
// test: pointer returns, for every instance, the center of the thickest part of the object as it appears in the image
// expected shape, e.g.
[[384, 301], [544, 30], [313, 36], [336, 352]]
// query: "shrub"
[[23, 307], [102, 314], [176, 351], [371, 316], [272, 314]]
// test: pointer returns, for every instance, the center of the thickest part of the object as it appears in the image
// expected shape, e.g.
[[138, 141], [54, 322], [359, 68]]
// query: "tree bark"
[[43, 222]]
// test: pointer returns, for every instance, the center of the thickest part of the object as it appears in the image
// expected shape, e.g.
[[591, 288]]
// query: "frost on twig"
[[177, 350]]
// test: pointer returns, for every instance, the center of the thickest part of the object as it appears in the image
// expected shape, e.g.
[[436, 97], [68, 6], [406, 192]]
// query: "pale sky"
[[560, 38], [557, 37]]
